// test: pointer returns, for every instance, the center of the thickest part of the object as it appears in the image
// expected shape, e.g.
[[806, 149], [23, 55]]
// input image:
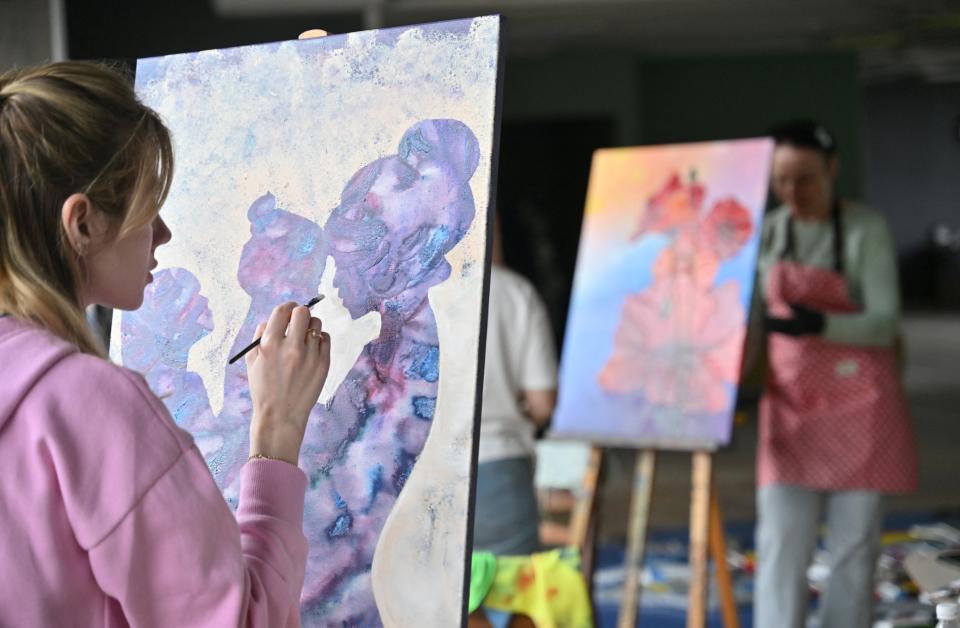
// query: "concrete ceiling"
[[895, 38]]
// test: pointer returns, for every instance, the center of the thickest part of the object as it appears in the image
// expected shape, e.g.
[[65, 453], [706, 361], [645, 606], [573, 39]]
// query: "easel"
[[706, 536]]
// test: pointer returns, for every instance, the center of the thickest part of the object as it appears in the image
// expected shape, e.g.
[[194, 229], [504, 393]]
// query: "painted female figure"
[[398, 218], [157, 339], [282, 261]]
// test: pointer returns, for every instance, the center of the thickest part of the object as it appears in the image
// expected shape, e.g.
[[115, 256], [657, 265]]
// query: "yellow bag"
[[547, 587]]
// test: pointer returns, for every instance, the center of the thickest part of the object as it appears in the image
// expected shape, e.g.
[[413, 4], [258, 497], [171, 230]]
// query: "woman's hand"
[[286, 373]]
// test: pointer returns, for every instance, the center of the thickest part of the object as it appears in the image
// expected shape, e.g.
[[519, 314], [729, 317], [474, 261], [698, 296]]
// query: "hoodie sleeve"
[[179, 558], [160, 538]]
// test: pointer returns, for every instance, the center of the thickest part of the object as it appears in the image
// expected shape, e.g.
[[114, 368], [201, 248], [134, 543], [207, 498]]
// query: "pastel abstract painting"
[[661, 294], [359, 166]]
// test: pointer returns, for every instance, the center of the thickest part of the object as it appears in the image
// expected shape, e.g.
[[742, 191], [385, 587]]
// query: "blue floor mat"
[[663, 600]]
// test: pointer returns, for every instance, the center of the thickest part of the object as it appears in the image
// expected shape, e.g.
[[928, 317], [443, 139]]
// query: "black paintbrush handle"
[[256, 342], [244, 351]]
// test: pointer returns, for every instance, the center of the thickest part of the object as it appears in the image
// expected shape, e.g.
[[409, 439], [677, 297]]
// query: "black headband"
[[805, 134]]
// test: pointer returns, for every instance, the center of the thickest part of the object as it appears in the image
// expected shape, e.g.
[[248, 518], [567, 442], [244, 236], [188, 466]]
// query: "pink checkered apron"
[[833, 417]]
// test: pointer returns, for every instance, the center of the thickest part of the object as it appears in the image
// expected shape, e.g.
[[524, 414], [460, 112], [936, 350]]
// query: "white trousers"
[[787, 530]]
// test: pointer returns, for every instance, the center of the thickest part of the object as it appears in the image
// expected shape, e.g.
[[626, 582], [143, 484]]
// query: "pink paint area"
[[678, 344], [675, 206], [284, 258]]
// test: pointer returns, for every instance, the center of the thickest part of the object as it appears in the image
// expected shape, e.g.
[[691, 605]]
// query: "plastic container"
[[948, 615]]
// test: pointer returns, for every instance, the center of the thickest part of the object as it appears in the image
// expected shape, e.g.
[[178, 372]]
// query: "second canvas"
[[661, 294]]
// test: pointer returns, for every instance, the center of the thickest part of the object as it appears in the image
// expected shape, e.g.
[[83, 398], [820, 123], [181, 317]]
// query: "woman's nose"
[[161, 233]]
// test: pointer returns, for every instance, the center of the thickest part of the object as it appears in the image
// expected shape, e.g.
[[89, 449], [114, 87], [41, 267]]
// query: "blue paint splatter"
[[424, 407], [435, 246], [405, 462], [307, 246], [424, 363], [414, 142], [340, 527], [342, 505], [375, 484], [249, 145]]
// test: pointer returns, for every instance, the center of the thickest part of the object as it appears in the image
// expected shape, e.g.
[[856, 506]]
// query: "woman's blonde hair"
[[65, 128]]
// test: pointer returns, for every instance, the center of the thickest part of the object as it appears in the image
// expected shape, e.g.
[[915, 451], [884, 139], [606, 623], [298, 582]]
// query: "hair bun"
[[805, 134], [823, 136]]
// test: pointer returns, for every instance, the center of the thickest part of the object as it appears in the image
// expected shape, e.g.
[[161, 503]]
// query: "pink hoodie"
[[109, 516]]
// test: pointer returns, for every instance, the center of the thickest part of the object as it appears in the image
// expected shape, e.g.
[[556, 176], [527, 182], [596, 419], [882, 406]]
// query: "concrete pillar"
[[31, 32]]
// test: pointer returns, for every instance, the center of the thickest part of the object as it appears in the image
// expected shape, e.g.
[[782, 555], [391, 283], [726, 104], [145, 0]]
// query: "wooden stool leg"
[[643, 477], [699, 532], [718, 551]]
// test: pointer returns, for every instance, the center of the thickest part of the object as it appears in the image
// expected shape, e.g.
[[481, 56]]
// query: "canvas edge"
[[484, 306], [593, 440], [312, 40]]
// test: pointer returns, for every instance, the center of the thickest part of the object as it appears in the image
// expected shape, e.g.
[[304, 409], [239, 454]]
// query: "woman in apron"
[[835, 433]]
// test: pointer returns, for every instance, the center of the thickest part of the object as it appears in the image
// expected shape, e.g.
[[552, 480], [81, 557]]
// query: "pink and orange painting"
[[661, 294]]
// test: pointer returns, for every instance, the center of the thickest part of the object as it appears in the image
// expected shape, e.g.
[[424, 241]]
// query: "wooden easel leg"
[[583, 513], [643, 477], [718, 551], [588, 559], [699, 533], [583, 523]]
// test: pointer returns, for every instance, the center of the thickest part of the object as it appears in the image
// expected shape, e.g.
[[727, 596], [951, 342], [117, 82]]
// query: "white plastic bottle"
[[948, 615]]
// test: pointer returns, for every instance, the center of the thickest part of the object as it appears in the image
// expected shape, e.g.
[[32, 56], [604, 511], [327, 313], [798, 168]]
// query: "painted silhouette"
[[157, 339], [282, 261], [397, 219]]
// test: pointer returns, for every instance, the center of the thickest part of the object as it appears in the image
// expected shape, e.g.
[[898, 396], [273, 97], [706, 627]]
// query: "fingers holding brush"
[[285, 379], [282, 310], [300, 320], [277, 325], [314, 329], [320, 338], [254, 353]]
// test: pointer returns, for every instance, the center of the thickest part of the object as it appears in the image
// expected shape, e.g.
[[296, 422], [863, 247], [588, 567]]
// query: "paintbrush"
[[308, 304]]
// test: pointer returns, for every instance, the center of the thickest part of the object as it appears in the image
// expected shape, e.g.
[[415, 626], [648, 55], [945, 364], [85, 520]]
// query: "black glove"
[[804, 322]]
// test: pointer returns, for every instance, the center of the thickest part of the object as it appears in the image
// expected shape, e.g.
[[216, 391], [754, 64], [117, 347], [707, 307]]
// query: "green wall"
[[726, 97], [576, 85], [653, 101]]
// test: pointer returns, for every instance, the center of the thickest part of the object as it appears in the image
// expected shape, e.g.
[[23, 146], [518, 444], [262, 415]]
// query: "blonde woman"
[[110, 517]]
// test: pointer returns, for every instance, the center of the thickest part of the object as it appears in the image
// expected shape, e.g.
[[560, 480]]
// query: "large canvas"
[[358, 167], [661, 294]]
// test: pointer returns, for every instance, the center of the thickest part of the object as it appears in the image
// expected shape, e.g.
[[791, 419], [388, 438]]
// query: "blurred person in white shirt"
[[519, 396]]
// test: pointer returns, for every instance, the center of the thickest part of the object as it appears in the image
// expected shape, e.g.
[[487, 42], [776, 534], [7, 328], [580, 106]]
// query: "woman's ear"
[[82, 223]]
